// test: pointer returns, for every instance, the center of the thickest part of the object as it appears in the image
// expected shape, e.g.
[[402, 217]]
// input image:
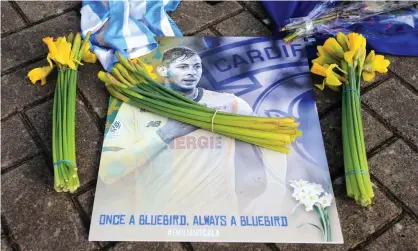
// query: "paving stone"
[[16, 142], [88, 137], [357, 223], [243, 24], [27, 44], [257, 9], [205, 246], [150, 246], [397, 106], [86, 200], [17, 92], [406, 68], [192, 16], [395, 166], [325, 99], [331, 133], [36, 11], [93, 89], [402, 236], [5, 246], [10, 19], [206, 32], [374, 134], [39, 217], [379, 77]]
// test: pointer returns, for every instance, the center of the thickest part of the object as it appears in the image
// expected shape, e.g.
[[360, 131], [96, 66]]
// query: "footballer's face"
[[184, 73]]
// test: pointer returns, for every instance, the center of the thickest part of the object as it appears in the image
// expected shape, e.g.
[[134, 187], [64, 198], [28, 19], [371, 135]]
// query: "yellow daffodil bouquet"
[[65, 54], [133, 82], [343, 62]]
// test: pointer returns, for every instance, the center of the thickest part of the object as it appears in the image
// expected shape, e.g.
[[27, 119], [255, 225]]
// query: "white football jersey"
[[193, 173]]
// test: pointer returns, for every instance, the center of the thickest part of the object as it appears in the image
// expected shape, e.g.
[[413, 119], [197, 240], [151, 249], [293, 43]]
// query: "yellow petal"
[[331, 68], [332, 80], [368, 76], [150, 70], [319, 60], [355, 41], [49, 60], [380, 64], [89, 57], [71, 64], [331, 74], [319, 70], [342, 40], [348, 57], [370, 58], [333, 47], [321, 86], [324, 53], [49, 41], [39, 74]]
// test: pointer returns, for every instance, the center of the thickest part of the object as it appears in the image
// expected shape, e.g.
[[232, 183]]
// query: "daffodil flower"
[[324, 57], [357, 48], [355, 41], [334, 48], [332, 79], [39, 74], [150, 70], [343, 40], [60, 52], [374, 63], [88, 56]]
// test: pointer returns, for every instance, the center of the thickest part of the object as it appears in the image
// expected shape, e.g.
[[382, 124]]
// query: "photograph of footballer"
[[180, 168]]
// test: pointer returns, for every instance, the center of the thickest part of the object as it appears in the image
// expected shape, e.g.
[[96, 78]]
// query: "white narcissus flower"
[[309, 201], [298, 184], [296, 194], [308, 194], [326, 199], [317, 189]]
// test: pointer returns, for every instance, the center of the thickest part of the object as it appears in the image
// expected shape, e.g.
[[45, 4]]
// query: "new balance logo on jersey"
[[155, 123]]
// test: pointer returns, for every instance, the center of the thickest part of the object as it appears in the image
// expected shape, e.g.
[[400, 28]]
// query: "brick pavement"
[[34, 217]]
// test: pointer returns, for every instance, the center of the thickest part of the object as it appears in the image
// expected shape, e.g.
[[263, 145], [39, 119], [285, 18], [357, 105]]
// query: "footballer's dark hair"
[[176, 52]]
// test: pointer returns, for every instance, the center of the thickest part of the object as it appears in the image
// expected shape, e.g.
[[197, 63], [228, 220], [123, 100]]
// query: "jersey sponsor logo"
[[193, 142], [115, 126], [155, 123]]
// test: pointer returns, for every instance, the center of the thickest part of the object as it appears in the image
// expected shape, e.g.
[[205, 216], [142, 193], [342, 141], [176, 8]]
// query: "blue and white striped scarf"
[[127, 26]]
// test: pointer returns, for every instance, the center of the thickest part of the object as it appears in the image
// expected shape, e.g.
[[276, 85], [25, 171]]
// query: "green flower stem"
[[220, 129], [328, 224], [72, 109], [318, 210], [65, 115], [141, 94], [366, 197], [183, 114], [365, 166], [205, 116], [352, 134], [60, 123], [57, 173], [130, 83], [346, 149]]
